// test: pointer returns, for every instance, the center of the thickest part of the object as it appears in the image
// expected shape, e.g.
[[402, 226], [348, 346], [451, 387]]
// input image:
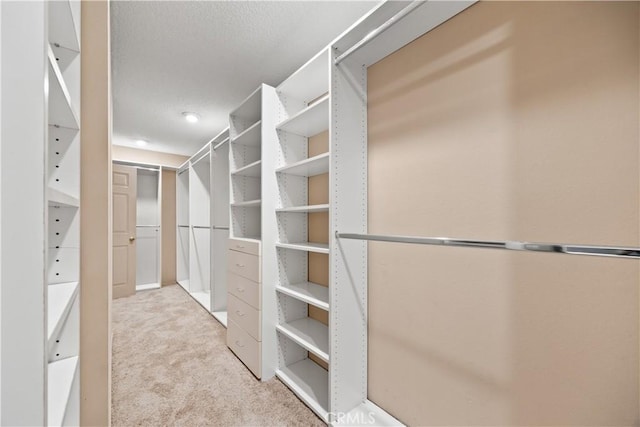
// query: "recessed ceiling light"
[[191, 117], [141, 142]]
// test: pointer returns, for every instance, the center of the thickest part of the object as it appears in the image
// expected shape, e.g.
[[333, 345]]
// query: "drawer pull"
[[238, 344], [240, 289], [240, 265], [239, 313]]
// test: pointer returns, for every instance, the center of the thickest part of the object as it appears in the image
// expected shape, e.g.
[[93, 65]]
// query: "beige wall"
[[127, 154], [169, 226], [511, 121], [318, 230], [95, 218]]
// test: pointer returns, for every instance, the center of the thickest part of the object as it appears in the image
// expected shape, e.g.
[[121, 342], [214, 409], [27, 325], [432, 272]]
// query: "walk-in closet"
[[371, 213]]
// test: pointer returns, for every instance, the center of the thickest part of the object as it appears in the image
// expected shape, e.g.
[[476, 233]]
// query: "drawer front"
[[245, 347], [248, 247], [245, 289], [244, 265], [245, 316]]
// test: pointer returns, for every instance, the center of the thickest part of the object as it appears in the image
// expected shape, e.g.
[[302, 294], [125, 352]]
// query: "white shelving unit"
[[320, 96], [313, 166], [251, 263], [202, 197], [303, 112], [183, 229], [308, 292], [200, 226], [309, 382], [63, 216], [220, 224], [308, 333], [63, 389]]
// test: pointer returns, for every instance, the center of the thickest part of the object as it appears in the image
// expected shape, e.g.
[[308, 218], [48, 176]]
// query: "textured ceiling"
[[206, 57]]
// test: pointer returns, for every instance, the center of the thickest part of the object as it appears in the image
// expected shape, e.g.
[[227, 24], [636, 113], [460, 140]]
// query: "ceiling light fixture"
[[191, 117], [141, 142]]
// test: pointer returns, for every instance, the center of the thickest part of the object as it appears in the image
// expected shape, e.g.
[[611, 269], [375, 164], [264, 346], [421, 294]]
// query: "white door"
[[124, 231]]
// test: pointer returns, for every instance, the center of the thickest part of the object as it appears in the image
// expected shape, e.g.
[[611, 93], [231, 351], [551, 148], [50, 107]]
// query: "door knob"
[[131, 239]]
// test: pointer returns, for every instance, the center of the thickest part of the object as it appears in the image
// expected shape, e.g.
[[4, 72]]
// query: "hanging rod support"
[[510, 245], [381, 29]]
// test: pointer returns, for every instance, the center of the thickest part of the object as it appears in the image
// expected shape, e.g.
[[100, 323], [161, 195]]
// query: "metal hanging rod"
[[200, 226], [221, 144], [202, 156], [381, 29], [183, 226], [215, 227], [562, 248], [148, 226], [137, 165]]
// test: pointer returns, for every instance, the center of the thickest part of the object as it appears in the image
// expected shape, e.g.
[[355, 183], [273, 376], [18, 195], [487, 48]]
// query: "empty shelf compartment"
[[253, 169], [310, 121], [60, 298], [250, 137], [310, 383], [309, 334], [308, 167], [60, 382], [308, 292]]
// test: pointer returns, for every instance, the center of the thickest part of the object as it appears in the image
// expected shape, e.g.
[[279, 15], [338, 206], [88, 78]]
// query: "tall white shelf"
[[183, 224], [202, 212], [220, 224], [63, 216], [327, 94], [41, 199], [303, 112], [200, 227], [251, 262]]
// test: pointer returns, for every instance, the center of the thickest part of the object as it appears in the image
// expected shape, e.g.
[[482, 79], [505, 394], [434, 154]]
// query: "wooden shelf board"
[[247, 204], [58, 198], [308, 167], [250, 137], [253, 169], [59, 383], [321, 248], [62, 28], [61, 110], [305, 209], [310, 383], [60, 298], [308, 292], [310, 121], [64, 57], [248, 239], [309, 334]]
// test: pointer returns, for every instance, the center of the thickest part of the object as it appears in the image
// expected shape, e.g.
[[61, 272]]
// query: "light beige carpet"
[[171, 366]]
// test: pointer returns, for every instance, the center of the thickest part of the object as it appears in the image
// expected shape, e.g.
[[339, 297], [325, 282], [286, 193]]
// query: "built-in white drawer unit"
[[244, 346], [247, 317], [245, 245], [245, 265], [244, 289]]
